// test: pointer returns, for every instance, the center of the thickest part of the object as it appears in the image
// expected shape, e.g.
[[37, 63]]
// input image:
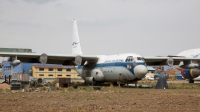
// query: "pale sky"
[[145, 27]]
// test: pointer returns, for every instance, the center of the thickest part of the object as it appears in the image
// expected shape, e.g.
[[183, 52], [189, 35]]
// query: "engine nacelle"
[[78, 60], [97, 74], [43, 58], [89, 79], [190, 73], [15, 62]]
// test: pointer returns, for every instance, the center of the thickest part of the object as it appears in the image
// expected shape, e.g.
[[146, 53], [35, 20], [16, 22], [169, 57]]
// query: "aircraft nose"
[[140, 71]]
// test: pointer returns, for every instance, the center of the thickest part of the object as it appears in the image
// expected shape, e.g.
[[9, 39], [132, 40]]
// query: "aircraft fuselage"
[[124, 68]]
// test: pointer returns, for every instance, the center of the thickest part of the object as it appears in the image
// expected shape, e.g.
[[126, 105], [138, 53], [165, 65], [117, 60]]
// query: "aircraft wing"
[[65, 59], [163, 60]]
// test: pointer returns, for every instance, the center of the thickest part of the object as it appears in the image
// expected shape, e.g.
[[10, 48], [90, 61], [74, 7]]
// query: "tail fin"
[[76, 46]]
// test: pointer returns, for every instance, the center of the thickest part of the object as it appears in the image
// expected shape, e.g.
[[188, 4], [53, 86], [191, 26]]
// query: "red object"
[[182, 73], [96, 73]]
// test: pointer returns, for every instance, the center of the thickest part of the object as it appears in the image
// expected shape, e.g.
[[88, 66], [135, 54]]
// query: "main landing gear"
[[191, 81]]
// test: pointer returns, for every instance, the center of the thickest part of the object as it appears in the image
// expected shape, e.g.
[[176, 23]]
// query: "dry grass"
[[180, 97], [174, 85], [106, 99]]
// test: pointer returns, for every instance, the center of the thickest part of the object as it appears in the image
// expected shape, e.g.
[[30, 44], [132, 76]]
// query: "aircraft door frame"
[[128, 66], [101, 68]]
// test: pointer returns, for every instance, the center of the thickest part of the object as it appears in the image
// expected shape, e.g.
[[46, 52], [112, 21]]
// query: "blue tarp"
[[179, 76]]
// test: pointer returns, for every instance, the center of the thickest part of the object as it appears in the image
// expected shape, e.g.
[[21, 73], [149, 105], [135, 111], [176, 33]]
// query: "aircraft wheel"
[[115, 84], [191, 81], [122, 84], [95, 83]]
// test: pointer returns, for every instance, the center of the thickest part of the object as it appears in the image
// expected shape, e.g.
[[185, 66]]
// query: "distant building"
[[151, 71], [7, 69], [50, 72]]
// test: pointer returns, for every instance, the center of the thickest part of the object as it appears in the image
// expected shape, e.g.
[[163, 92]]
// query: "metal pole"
[[9, 79], [11, 73], [5, 78]]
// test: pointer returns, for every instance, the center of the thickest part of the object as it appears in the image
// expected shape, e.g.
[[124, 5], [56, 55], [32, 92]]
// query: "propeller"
[[43, 58], [170, 61], [78, 60]]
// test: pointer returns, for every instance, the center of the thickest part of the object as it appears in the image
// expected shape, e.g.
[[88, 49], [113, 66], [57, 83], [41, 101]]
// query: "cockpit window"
[[140, 58], [129, 59]]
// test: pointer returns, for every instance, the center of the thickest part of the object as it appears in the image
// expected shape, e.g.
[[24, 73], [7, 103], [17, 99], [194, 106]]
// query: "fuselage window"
[[143, 59], [128, 66], [140, 58]]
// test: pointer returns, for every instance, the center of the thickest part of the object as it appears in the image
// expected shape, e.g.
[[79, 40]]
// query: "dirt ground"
[[108, 99], [4, 86]]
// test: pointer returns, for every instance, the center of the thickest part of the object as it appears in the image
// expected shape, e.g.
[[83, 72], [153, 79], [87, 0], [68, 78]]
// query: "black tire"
[[15, 87], [96, 87], [75, 86], [191, 81], [114, 83], [95, 83]]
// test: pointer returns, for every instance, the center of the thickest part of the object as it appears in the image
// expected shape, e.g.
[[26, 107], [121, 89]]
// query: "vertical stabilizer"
[[76, 46]]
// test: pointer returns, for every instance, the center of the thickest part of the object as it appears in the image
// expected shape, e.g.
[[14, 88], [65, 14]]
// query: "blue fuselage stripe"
[[116, 64]]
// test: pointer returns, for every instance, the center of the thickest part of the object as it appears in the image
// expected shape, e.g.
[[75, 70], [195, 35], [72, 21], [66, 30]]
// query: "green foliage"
[[50, 84], [43, 88], [80, 83]]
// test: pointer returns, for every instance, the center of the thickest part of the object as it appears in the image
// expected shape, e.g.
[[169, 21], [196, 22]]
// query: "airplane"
[[123, 68], [190, 70], [188, 63]]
